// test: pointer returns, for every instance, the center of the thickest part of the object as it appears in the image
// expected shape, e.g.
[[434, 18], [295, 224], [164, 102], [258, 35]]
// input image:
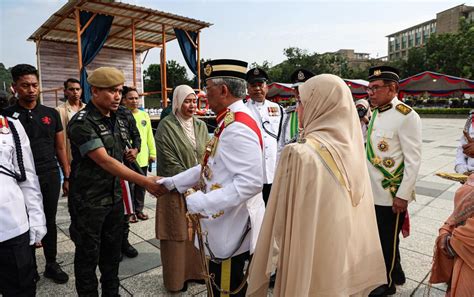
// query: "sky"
[[250, 30]]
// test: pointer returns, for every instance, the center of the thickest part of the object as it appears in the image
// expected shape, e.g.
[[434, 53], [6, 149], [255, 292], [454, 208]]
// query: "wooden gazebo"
[[134, 31]]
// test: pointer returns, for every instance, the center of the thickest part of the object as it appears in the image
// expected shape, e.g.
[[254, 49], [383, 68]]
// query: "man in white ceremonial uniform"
[[290, 126], [226, 187], [269, 117], [464, 163], [394, 158], [22, 220]]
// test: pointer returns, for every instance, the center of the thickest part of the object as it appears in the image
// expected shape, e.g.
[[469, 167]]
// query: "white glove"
[[36, 234], [167, 182]]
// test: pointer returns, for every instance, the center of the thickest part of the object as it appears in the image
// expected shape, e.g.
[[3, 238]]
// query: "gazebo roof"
[[61, 26]]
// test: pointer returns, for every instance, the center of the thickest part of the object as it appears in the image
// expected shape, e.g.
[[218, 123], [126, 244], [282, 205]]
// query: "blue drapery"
[[187, 48], [92, 41]]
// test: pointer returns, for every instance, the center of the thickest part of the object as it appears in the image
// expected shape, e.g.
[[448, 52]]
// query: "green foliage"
[[459, 111], [317, 63], [175, 75], [5, 77]]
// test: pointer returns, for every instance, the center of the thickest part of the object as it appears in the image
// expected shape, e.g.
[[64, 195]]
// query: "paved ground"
[[142, 276]]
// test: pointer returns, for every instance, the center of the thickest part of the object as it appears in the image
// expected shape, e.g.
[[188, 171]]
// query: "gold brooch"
[[388, 162], [382, 146]]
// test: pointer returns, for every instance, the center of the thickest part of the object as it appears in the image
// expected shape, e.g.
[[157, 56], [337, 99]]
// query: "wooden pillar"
[[164, 87], [79, 46], [199, 59], [134, 55]]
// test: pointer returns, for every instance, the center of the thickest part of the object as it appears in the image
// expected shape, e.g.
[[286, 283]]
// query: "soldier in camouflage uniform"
[[95, 199]]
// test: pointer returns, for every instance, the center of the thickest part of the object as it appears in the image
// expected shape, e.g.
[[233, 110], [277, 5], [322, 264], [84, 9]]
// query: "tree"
[[175, 75], [5, 77], [416, 61]]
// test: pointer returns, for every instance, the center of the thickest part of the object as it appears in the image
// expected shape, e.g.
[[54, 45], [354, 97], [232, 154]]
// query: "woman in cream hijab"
[[319, 229], [180, 143]]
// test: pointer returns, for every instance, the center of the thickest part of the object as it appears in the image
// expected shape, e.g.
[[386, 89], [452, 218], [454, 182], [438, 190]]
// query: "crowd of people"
[[310, 199]]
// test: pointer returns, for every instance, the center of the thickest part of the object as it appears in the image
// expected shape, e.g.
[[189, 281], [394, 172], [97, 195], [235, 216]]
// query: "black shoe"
[[129, 251], [272, 280], [399, 278], [383, 290], [54, 272]]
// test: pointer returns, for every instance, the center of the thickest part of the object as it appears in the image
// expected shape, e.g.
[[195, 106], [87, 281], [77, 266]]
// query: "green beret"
[[106, 77]]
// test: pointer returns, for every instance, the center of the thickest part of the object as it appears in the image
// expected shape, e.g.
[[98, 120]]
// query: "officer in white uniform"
[[22, 220], [269, 117], [394, 158], [464, 163], [226, 187], [290, 127]]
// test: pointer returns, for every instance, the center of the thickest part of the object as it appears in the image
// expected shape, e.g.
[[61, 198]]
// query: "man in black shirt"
[[43, 127]]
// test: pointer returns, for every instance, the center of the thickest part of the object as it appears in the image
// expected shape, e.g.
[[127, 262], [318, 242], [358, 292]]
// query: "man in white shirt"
[[394, 158], [464, 153], [226, 187], [22, 220], [269, 117]]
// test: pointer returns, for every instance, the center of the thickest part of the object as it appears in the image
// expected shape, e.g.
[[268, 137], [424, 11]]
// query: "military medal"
[[388, 162], [4, 126], [376, 160], [382, 146]]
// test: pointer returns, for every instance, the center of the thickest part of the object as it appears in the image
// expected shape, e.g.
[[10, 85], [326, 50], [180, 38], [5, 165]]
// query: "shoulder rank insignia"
[[81, 114], [385, 107], [403, 108], [229, 118]]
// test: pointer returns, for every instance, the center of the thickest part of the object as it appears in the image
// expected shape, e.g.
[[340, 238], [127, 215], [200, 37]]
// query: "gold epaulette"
[[229, 118], [403, 108]]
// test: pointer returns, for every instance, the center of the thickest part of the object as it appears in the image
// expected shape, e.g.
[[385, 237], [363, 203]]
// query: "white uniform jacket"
[[234, 189], [463, 162], [290, 121], [21, 203], [268, 116], [396, 138]]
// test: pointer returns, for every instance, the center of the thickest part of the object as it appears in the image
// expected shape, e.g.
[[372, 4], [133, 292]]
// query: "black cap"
[[384, 73], [225, 68], [256, 75], [299, 76]]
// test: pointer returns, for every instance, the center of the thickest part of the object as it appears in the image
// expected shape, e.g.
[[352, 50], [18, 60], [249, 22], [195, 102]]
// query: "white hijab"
[[179, 95]]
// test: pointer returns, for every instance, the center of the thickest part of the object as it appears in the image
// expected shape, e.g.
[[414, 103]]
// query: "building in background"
[[446, 21]]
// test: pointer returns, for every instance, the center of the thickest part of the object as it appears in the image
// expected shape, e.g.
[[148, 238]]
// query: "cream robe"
[[319, 229]]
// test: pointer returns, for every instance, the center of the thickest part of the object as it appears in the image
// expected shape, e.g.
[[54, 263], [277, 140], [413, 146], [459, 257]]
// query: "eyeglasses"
[[375, 88]]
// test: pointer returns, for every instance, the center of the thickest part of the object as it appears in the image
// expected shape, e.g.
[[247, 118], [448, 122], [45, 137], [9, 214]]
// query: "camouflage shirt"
[[90, 130]]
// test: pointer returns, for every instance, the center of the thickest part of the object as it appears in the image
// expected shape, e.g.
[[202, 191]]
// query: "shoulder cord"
[[19, 157], [276, 136]]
